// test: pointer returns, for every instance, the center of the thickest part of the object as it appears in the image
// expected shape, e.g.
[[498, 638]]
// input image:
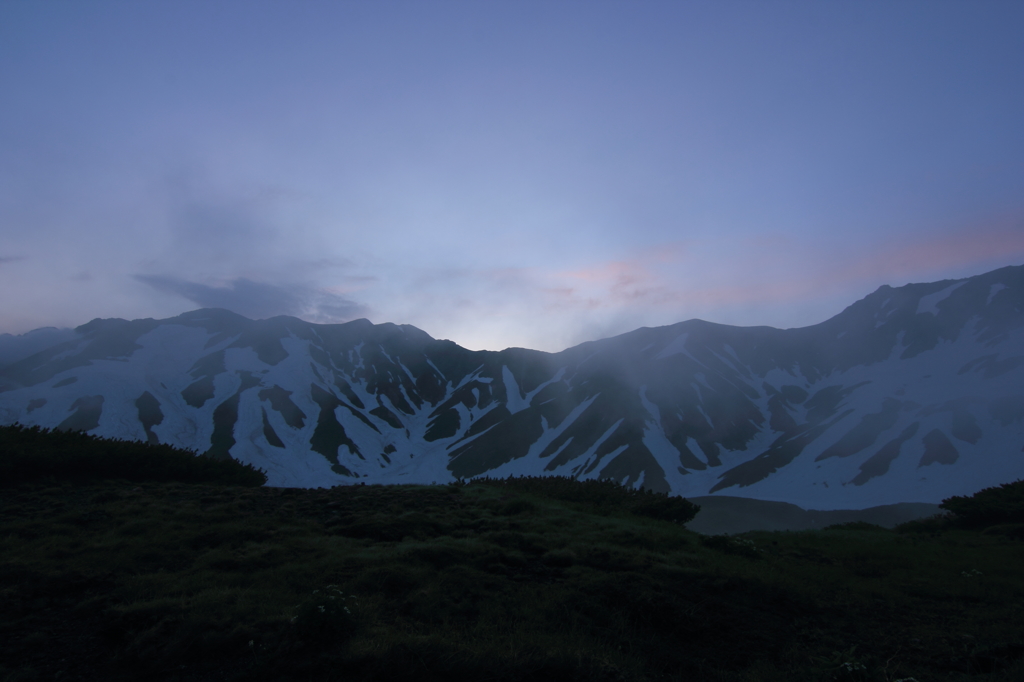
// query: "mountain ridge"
[[910, 394]]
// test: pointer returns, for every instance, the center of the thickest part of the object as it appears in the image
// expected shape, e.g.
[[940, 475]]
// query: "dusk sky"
[[513, 173]]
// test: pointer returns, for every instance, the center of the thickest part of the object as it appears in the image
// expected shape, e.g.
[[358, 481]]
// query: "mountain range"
[[911, 394]]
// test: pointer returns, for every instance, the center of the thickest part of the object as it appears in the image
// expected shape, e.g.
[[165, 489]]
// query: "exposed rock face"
[[909, 395]]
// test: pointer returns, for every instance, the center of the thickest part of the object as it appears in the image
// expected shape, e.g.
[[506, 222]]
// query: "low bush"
[[931, 524], [33, 453], [989, 507], [731, 545], [327, 614], [857, 525], [1010, 530], [601, 495]]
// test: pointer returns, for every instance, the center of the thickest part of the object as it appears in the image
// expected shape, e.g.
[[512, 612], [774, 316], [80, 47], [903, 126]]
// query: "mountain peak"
[[911, 394]]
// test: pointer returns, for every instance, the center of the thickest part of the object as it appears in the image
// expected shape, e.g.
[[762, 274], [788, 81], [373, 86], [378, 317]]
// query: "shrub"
[[932, 524], [516, 507], [601, 494], [1010, 530], [664, 507], [327, 614], [999, 505], [857, 525], [33, 453], [731, 545], [559, 558]]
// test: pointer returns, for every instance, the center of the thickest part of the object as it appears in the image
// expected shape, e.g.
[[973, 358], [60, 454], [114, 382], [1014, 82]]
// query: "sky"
[[502, 173]]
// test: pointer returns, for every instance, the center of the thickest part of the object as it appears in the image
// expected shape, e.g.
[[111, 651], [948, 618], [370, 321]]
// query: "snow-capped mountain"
[[912, 394]]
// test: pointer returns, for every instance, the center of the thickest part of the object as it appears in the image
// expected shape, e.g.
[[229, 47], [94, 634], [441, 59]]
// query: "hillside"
[[911, 395], [519, 579]]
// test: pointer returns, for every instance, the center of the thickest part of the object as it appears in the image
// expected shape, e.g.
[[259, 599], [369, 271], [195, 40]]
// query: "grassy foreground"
[[514, 580]]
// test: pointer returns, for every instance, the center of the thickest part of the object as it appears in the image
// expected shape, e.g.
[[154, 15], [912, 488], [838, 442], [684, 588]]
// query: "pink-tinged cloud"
[[671, 277], [982, 245], [779, 281]]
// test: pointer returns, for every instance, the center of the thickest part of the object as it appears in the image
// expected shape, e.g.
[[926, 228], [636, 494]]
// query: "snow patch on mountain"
[[929, 303], [674, 347], [993, 290]]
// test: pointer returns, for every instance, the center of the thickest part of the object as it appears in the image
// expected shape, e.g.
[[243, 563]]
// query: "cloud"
[[222, 227], [748, 280], [10, 259], [619, 282], [328, 263], [976, 246], [764, 270], [260, 300]]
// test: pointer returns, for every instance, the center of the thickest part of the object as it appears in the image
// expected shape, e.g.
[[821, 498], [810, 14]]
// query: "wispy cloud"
[[224, 228], [988, 243], [10, 259], [260, 300], [762, 280], [768, 271]]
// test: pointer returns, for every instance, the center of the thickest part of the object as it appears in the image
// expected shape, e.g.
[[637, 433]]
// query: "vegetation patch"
[[521, 579], [989, 507], [600, 496], [29, 454]]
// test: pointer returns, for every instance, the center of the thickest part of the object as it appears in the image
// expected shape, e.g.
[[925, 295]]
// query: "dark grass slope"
[[522, 579], [32, 454]]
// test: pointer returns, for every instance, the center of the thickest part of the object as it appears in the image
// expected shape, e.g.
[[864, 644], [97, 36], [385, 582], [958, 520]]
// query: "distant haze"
[[531, 174]]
